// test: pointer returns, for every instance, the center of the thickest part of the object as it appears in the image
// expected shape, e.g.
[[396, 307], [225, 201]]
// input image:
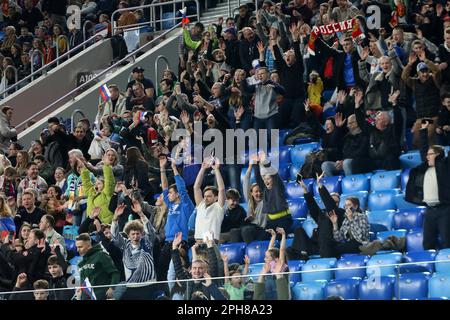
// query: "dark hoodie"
[[99, 268]]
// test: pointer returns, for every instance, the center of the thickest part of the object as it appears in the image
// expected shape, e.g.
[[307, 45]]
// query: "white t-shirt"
[[208, 219], [430, 187]]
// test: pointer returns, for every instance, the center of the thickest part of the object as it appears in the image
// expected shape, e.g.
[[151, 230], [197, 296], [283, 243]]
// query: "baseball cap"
[[255, 64], [230, 30], [138, 69], [422, 66]]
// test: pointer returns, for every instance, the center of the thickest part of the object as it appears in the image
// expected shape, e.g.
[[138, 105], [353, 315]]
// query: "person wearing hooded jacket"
[[429, 184], [7, 132]]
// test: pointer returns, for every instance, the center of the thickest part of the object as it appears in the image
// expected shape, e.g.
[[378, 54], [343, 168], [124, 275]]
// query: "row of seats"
[[411, 286], [412, 158]]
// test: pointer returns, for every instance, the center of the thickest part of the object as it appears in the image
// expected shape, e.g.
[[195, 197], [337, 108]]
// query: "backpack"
[[313, 163]]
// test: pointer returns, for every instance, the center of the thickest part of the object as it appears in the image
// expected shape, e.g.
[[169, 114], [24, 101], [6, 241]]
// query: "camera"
[[299, 178], [425, 120]]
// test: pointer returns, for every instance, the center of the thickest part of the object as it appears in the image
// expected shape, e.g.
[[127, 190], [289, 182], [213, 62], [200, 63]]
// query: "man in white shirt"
[[210, 203]]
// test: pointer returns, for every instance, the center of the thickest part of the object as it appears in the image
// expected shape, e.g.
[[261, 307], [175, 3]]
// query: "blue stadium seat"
[[234, 251], [377, 288], [283, 155], [383, 217], [191, 222], [329, 112], [256, 251], [70, 245], [70, 232], [416, 257], [298, 153], [410, 159], [374, 263], [319, 202], [293, 170], [401, 203], [293, 190], [296, 223], [308, 290], [75, 260], [309, 225], [298, 208], [326, 96], [439, 285], [361, 195], [295, 265], [317, 265], [283, 172], [254, 269], [355, 183], [333, 184], [412, 286], [414, 240], [386, 180], [375, 228], [282, 136], [408, 219], [345, 288], [385, 234], [443, 267], [382, 200], [302, 140], [345, 267], [244, 205], [405, 178]]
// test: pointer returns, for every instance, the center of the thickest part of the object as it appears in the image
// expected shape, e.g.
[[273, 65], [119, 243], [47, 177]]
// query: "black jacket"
[[248, 52], [414, 187], [355, 146], [291, 78], [233, 218]]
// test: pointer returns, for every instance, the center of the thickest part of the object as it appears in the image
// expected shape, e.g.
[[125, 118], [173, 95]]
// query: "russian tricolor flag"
[[87, 289], [104, 92], [185, 19]]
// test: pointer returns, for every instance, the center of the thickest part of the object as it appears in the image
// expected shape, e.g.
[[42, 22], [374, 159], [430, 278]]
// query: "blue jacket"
[[179, 213]]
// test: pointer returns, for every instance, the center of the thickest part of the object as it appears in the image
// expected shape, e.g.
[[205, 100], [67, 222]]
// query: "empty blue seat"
[[416, 257], [361, 195], [281, 156], [256, 251], [234, 251], [293, 190], [443, 267], [382, 200], [408, 219], [191, 222], [410, 159], [412, 286], [383, 217], [414, 240], [293, 170], [385, 180], [345, 267], [405, 178], [377, 288], [299, 152], [317, 265], [345, 288], [355, 183], [254, 269], [390, 259], [298, 208], [385, 234], [309, 225], [401, 203], [439, 285], [333, 184], [295, 265], [308, 290]]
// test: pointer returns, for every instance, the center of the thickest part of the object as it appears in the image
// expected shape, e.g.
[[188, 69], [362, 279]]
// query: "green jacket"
[[99, 268], [101, 199], [282, 289]]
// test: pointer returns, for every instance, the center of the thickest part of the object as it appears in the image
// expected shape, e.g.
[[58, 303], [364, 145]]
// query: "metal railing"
[[72, 117], [372, 278], [153, 21], [160, 57], [97, 76], [57, 46], [44, 68]]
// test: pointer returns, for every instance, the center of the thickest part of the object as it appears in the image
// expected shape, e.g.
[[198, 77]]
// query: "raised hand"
[[95, 212], [412, 58], [293, 28], [306, 104], [254, 158], [177, 240], [207, 278], [136, 207], [341, 96], [162, 162], [332, 216], [393, 97], [338, 120], [364, 53], [21, 280], [319, 178], [247, 260], [216, 165], [206, 163], [281, 231], [272, 232], [119, 210], [260, 47], [239, 112], [425, 125], [224, 257], [422, 56], [262, 156], [358, 98]]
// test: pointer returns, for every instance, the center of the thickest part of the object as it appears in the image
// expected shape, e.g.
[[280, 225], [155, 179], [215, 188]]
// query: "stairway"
[[221, 10]]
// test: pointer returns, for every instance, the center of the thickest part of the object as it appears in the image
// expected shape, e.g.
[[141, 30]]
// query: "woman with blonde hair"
[[21, 163], [113, 158]]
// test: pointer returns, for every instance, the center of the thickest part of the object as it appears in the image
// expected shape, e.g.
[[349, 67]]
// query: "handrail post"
[[84, 33], [73, 116], [156, 69], [229, 8]]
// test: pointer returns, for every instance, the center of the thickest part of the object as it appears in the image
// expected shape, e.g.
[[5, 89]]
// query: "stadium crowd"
[[120, 184]]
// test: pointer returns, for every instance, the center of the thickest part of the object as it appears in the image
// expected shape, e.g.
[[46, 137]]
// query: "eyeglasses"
[[430, 153]]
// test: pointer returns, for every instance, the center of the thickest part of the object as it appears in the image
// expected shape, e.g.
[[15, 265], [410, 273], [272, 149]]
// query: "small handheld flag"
[[87, 289], [185, 19], [104, 92]]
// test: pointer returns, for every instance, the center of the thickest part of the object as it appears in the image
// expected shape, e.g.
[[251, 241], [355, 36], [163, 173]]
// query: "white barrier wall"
[[88, 100]]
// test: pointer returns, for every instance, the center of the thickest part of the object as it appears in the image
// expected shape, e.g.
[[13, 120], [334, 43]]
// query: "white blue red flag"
[[87, 289], [104, 92], [184, 19]]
